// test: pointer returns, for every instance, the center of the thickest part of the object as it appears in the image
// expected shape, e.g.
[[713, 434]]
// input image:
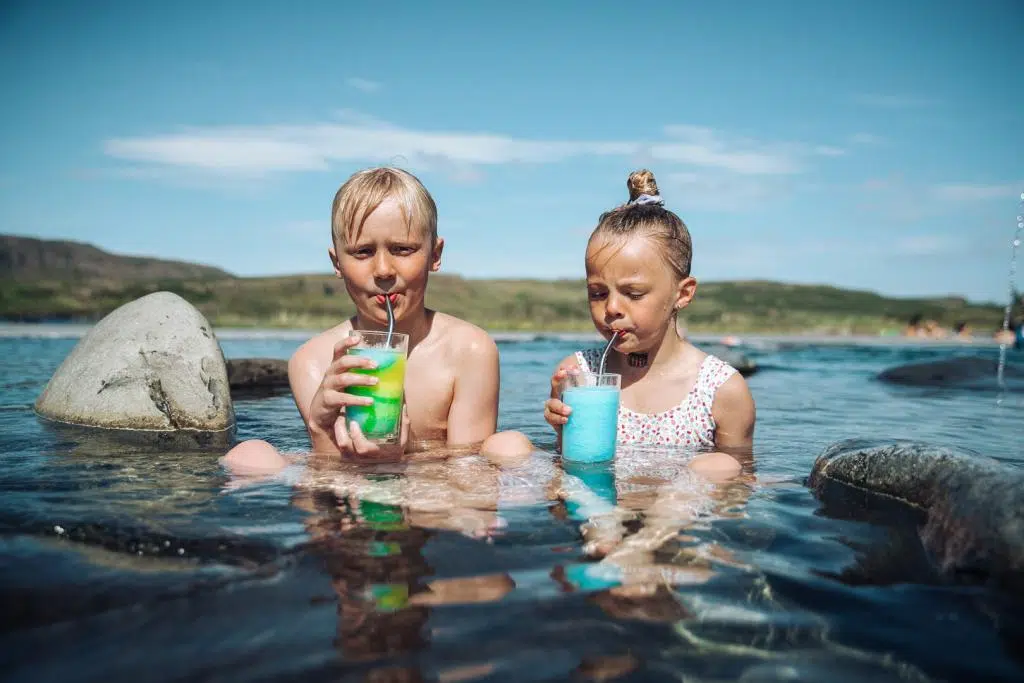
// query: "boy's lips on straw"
[[393, 296]]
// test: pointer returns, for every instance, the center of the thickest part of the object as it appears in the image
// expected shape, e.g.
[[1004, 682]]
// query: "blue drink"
[[589, 435], [599, 480]]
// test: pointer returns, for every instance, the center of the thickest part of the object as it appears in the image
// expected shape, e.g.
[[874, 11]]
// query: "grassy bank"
[[317, 301]]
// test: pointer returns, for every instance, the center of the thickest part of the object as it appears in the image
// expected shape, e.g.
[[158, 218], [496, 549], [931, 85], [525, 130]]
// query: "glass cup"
[[590, 433], [380, 422]]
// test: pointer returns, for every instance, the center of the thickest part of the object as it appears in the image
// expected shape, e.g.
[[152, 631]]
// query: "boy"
[[385, 243]]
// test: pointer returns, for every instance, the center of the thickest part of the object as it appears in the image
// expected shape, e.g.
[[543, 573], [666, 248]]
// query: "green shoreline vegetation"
[[320, 301]]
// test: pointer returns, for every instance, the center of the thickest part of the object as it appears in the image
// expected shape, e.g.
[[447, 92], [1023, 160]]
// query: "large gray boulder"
[[970, 509], [153, 366], [743, 364], [972, 373]]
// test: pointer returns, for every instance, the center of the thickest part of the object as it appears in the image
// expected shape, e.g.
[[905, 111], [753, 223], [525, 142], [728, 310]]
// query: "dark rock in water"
[[744, 365], [151, 367], [258, 376], [971, 507], [966, 372]]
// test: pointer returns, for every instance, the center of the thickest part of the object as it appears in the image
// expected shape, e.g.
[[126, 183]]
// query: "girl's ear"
[[685, 292]]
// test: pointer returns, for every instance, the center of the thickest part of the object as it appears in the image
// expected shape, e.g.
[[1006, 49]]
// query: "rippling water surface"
[[121, 565]]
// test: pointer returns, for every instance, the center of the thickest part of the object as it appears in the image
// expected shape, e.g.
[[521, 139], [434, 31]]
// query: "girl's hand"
[[557, 413]]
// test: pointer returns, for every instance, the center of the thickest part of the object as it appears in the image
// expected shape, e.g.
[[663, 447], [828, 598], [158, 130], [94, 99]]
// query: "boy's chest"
[[429, 389]]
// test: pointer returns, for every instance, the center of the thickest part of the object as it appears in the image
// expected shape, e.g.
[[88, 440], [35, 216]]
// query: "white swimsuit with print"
[[687, 425]]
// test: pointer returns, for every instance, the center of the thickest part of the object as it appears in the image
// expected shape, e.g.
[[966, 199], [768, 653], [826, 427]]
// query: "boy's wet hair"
[[366, 190], [644, 214]]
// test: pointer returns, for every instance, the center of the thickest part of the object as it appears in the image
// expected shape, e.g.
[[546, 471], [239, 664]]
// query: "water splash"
[[1001, 369]]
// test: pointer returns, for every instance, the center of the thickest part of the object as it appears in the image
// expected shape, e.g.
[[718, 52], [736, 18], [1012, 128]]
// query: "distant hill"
[[28, 258], [75, 282]]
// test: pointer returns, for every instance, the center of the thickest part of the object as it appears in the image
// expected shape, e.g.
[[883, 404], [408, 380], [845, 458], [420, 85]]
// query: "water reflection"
[[372, 524]]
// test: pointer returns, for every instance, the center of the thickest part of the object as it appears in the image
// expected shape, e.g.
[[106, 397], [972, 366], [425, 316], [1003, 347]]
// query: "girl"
[[673, 394]]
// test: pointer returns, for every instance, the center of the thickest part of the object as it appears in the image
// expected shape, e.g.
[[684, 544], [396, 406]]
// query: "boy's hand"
[[556, 413], [327, 409], [352, 443]]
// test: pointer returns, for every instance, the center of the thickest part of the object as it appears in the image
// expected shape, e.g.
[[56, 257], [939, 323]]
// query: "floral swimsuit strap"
[[714, 372]]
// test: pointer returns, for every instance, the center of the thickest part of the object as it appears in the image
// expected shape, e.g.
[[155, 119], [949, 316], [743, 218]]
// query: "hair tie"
[[649, 199]]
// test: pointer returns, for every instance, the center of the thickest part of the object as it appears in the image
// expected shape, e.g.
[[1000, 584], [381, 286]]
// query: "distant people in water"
[[962, 331], [919, 328], [914, 327], [1014, 336], [933, 330]]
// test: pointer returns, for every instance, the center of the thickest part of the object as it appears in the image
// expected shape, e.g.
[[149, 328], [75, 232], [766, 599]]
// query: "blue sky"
[[867, 144]]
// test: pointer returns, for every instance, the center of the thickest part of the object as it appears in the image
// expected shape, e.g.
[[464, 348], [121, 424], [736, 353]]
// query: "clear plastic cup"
[[380, 422], [590, 434]]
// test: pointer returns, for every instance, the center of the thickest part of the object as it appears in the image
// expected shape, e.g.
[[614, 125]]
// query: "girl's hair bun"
[[641, 182]]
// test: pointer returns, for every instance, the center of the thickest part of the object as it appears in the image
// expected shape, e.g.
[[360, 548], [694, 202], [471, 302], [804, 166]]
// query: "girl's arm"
[[734, 414]]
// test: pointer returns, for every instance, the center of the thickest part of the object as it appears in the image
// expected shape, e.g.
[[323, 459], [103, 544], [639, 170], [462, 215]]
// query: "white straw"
[[391, 320], [604, 356]]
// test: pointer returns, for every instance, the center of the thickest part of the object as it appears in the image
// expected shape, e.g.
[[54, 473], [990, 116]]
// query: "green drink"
[[382, 421]]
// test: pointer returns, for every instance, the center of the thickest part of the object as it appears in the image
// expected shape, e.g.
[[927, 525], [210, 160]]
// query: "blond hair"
[[366, 190], [649, 218], [641, 182]]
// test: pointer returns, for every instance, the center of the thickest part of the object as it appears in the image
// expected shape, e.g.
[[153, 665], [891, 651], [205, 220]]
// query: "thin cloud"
[[925, 245], [965, 192], [262, 150], [364, 84], [866, 139], [723, 192], [897, 199], [703, 146], [891, 101], [829, 151]]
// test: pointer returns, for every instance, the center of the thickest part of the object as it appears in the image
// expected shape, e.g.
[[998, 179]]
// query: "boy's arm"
[[304, 376], [473, 415], [305, 373]]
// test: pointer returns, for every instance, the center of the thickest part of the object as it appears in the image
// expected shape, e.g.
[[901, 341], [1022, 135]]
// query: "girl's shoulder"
[[714, 372]]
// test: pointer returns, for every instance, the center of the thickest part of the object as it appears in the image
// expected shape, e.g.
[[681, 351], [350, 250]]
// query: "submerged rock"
[[966, 372], [971, 508], [152, 367], [744, 365], [258, 376]]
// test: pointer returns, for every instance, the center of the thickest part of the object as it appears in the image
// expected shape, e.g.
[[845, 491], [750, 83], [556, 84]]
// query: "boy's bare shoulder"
[[461, 337], [319, 349]]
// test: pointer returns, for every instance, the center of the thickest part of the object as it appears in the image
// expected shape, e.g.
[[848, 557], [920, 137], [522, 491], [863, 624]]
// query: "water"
[[120, 565], [1013, 291]]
